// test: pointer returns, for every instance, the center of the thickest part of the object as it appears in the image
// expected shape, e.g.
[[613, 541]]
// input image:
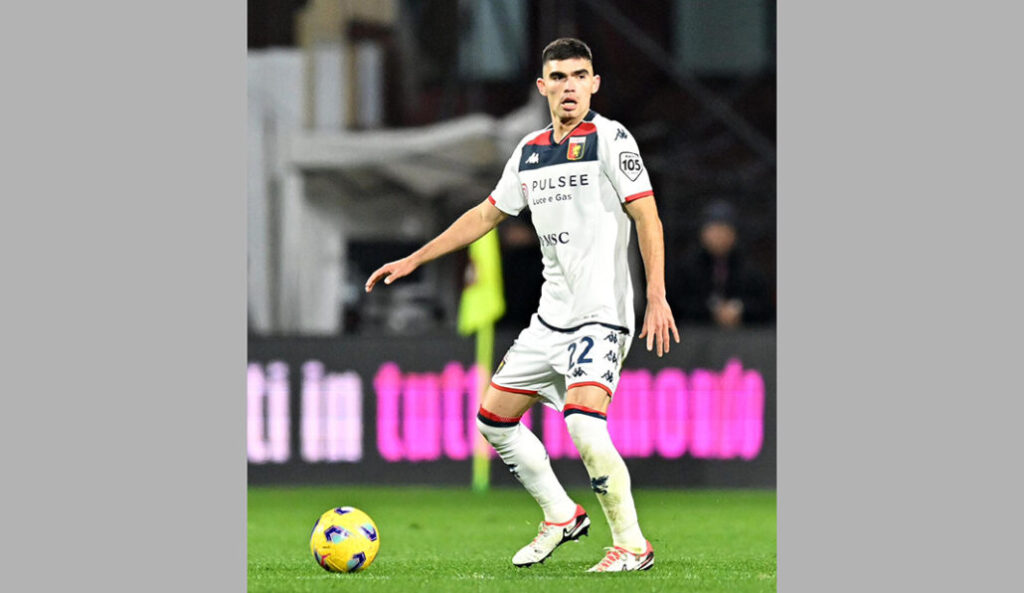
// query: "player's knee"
[[497, 430]]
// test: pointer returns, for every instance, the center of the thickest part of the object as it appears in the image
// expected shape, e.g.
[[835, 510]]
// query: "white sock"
[[609, 477], [528, 461]]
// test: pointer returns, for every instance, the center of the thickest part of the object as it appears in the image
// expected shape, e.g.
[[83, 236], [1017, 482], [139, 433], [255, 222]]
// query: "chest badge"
[[576, 144]]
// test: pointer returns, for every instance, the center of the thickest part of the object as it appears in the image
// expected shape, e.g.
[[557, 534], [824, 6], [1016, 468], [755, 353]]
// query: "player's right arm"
[[469, 227]]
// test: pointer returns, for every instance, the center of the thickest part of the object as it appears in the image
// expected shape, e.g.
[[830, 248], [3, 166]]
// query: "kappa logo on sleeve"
[[631, 165]]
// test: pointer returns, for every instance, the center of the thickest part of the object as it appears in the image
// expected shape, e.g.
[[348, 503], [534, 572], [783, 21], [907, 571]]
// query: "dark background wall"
[[693, 81]]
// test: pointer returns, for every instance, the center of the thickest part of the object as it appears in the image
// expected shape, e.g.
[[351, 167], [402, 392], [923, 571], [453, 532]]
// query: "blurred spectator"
[[716, 283]]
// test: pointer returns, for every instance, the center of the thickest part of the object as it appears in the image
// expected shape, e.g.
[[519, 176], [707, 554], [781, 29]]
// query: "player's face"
[[568, 85]]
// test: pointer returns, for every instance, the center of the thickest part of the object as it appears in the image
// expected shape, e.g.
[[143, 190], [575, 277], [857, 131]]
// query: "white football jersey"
[[575, 190]]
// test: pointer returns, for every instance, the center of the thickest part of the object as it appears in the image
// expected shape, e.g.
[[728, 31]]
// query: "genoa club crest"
[[576, 144]]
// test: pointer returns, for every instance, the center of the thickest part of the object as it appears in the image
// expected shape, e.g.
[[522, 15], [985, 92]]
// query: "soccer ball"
[[344, 539]]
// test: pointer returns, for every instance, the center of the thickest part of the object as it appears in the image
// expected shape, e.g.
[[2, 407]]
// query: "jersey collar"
[[586, 118]]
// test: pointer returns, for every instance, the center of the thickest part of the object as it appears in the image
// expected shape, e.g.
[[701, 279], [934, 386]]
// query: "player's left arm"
[[658, 320]]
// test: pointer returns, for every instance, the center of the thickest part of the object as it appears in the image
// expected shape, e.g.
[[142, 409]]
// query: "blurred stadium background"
[[372, 125]]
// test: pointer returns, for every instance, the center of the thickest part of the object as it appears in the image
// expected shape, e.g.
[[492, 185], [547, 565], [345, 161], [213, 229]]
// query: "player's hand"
[[390, 272], [658, 325]]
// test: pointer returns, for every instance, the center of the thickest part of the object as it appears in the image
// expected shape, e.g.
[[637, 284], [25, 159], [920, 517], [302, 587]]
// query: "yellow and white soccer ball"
[[344, 539]]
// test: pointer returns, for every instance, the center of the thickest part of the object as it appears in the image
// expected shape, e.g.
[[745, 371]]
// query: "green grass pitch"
[[452, 540]]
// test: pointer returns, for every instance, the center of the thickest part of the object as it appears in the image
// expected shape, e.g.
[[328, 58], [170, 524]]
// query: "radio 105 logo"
[[630, 165]]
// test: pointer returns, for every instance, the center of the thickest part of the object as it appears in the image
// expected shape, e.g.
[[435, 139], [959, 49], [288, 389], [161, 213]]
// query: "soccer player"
[[584, 181]]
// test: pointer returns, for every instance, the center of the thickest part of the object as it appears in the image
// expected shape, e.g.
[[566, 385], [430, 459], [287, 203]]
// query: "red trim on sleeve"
[[601, 385], [497, 418], [491, 200], [583, 408], [512, 389], [642, 194]]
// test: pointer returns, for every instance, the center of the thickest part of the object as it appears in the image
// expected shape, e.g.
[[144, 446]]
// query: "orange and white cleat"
[[620, 559], [550, 536]]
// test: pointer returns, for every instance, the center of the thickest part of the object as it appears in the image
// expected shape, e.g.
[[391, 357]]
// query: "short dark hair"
[[566, 48]]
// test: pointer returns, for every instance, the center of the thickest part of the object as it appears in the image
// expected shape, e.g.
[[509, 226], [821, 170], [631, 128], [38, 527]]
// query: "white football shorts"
[[546, 361]]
